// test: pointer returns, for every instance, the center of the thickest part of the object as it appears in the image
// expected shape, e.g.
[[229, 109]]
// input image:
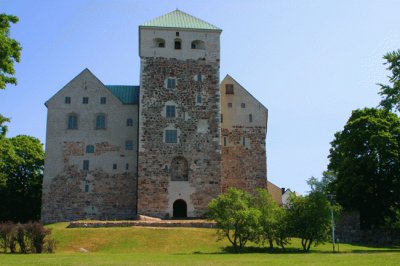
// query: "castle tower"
[[179, 162]]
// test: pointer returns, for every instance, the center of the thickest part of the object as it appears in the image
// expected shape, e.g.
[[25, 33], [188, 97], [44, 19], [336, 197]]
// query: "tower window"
[[171, 136], [177, 34], [170, 111], [230, 105], [222, 118], [86, 187], [198, 99], [86, 165], [67, 100], [225, 141], [129, 145], [100, 122], [178, 44], [250, 118], [85, 100], [129, 122], [127, 166], [197, 44], [243, 105], [159, 43], [114, 166], [103, 100], [228, 88], [171, 83], [72, 121], [89, 149]]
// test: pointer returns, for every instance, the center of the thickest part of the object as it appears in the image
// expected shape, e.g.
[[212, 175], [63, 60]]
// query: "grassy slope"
[[182, 246]]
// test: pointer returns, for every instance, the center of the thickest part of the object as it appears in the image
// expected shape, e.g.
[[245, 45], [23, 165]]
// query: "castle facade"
[[164, 148]]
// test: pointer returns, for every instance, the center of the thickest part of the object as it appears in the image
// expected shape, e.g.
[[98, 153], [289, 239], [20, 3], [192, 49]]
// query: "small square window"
[[229, 89], [89, 149], [67, 100], [230, 105], [114, 166], [85, 100], [171, 83], [86, 165], [243, 105], [129, 145], [103, 100], [171, 136], [170, 111]]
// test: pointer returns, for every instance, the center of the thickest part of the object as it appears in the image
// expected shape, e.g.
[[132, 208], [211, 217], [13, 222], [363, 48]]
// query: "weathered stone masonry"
[[198, 145]]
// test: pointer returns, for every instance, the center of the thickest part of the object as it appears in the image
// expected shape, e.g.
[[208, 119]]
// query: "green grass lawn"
[[184, 246]]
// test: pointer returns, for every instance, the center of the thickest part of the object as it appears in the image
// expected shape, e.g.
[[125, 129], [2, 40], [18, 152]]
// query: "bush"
[[30, 237]]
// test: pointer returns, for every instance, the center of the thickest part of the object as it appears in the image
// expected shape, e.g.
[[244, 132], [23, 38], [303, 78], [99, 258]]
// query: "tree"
[[21, 168], [236, 219], [272, 220], [391, 93], [365, 158], [10, 51], [309, 218]]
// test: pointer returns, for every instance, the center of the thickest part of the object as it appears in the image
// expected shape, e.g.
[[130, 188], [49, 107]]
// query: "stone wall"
[[198, 141]]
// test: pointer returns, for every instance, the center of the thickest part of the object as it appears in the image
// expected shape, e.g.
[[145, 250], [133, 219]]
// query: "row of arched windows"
[[72, 121], [196, 44]]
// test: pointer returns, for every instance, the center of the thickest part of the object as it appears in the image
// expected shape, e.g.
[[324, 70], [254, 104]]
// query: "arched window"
[[89, 149], [129, 122], [197, 44], [101, 121], [159, 42], [179, 169], [72, 122], [178, 44]]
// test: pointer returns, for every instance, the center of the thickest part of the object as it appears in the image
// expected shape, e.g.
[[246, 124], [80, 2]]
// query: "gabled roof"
[[125, 93], [179, 19]]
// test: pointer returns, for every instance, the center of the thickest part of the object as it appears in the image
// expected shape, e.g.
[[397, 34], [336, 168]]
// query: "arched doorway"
[[180, 209]]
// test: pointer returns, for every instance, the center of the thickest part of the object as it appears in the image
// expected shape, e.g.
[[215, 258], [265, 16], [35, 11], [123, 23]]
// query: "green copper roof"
[[126, 94], [179, 19]]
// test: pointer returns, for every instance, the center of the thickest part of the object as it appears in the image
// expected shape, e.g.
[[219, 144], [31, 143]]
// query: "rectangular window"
[[198, 99], [127, 166], [244, 141], [86, 165], [170, 111], [67, 100], [177, 33], [100, 122], [103, 100], [199, 76], [129, 145], [228, 88], [224, 141], [250, 118], [230, 105], [114, 166], [85, 100], [243, 105], [171, 83], [222, 118], [72, 122], [171, 136], [86, 187]]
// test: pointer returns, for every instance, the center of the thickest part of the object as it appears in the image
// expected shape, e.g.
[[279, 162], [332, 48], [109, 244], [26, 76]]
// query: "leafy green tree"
[[325, 185], [391, 93], [21, 168], [236, 219], [365, 158], [271, 219], [309, 219], [10, 51]]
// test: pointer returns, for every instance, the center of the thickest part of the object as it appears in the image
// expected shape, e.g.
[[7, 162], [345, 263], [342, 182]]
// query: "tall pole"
[[332, 222]]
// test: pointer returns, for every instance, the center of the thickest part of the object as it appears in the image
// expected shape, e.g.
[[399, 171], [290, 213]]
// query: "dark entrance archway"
[[180, 209]]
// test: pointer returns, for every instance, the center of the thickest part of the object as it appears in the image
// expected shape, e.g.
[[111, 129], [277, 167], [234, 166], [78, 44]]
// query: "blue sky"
[[309, 62]]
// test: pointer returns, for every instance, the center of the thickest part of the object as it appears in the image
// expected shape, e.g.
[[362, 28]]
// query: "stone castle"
[[164, 148]]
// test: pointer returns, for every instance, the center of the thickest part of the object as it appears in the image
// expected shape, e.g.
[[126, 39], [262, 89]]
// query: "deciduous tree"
[[391, 92]]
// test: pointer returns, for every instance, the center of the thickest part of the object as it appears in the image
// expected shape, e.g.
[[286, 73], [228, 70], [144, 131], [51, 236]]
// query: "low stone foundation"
[[161, 223]]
